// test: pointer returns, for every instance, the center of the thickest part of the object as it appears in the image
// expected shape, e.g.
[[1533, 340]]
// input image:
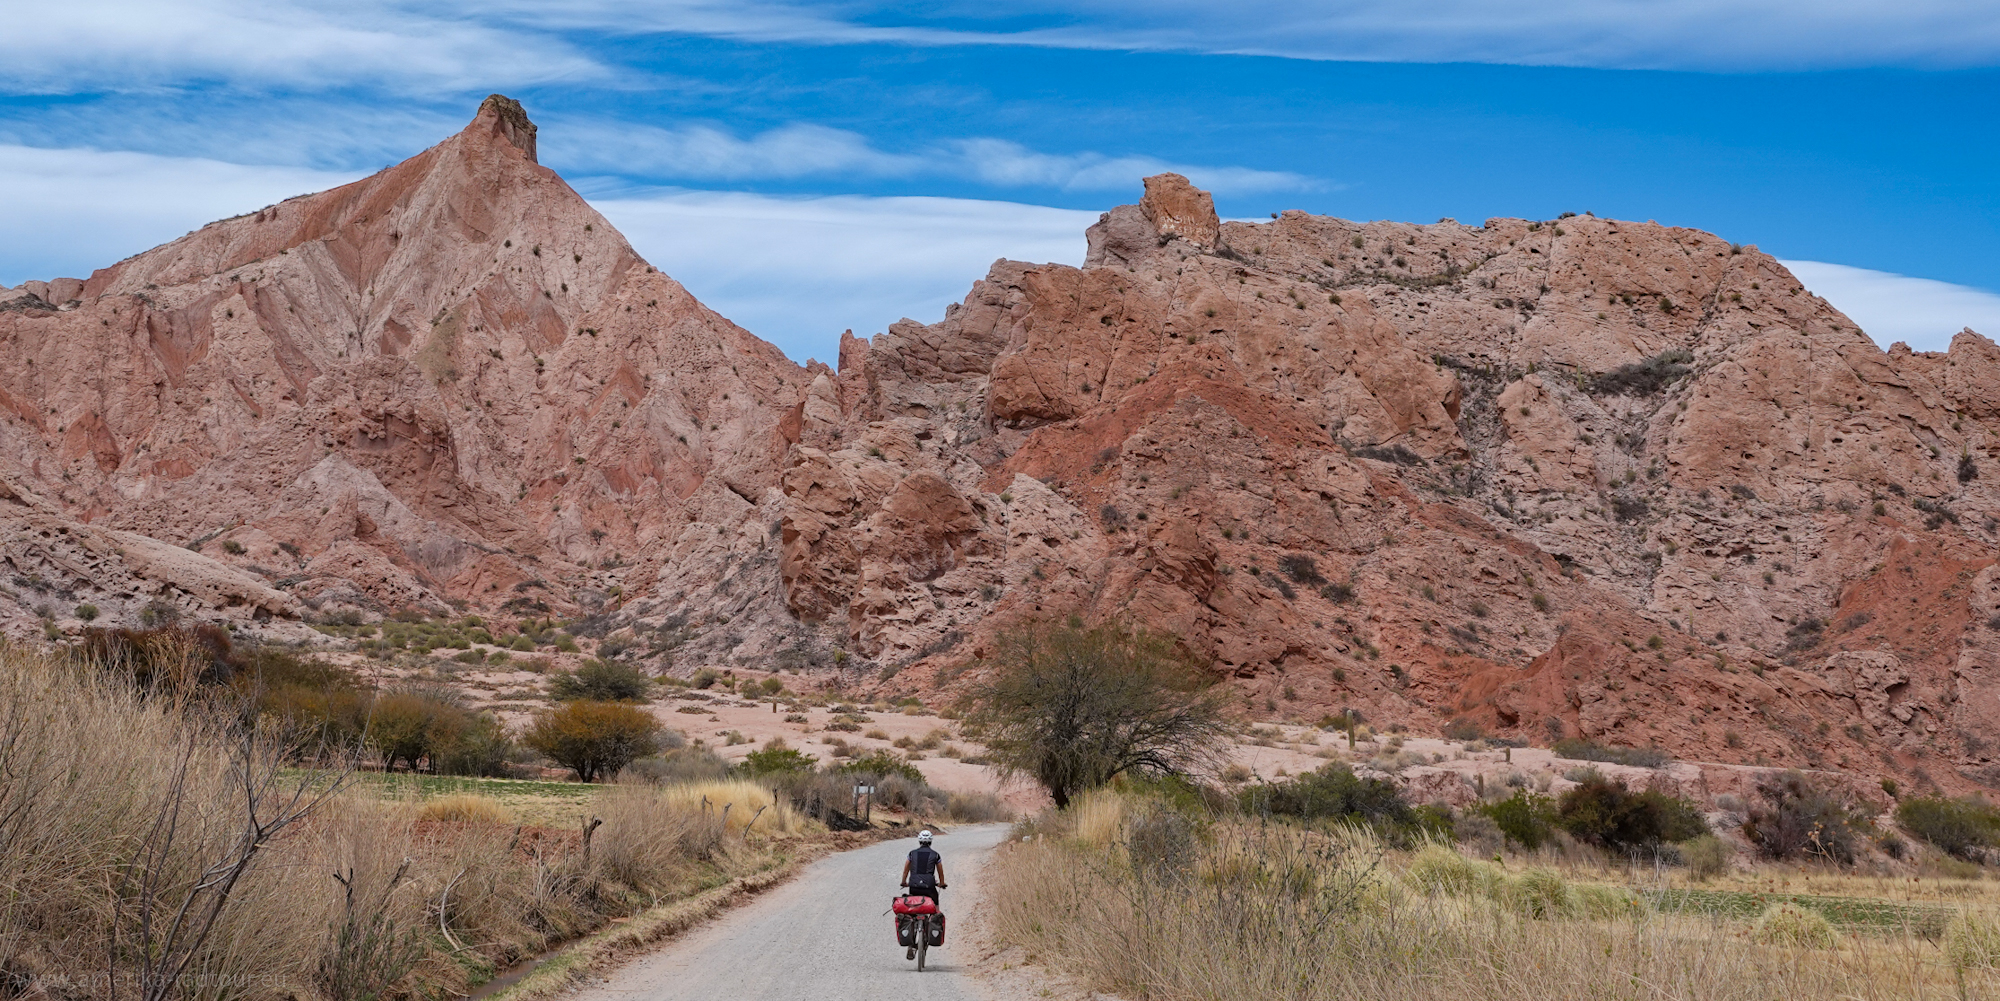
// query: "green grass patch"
[[1849, 913], [535, 802]]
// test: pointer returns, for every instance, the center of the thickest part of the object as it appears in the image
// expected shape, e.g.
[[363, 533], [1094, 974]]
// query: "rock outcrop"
[[1571, 477]]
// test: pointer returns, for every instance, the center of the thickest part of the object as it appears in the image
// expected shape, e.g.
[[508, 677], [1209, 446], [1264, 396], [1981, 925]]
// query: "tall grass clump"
[[1789, 924], [738, 803]]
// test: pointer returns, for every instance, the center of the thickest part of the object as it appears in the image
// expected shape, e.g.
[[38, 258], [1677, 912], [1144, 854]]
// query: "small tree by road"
[[1076, 707], [594, 739]]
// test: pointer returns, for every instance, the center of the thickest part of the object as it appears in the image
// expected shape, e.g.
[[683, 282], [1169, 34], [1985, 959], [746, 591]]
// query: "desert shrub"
[[976, 807], [680, 764], [1644, 378], [1334, 792], [1706, 856], [1603, 812], [1443, 870], [882, 764], [1972, 941], [465, 808], [775, 757], [601, 681], [171, 658], [1460, 728], [417, 724], [594, 739], [1338, 593], [1788, 924], [1524, 818], [1958, 827], [1577, 749], [87, 612], [473, 744], [1398, 454], [1076, 707], [1798, 815], [1540, 893], [1301, 568]]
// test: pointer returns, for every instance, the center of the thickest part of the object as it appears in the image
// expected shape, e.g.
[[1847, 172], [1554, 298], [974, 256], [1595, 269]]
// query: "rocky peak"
[[1172, 209], [505, 117], [1176, 207]]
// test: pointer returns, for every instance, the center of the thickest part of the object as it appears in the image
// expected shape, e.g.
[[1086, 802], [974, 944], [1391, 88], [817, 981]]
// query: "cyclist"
[[923, 874]]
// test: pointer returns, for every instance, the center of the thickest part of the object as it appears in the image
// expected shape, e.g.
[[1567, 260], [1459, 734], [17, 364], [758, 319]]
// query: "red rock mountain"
[[1577, 476]]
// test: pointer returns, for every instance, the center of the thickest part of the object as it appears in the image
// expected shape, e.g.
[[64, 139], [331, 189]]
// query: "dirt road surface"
[[824, 936]]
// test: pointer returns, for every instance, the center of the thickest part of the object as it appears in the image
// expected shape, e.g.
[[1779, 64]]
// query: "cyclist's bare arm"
[[906, 873], [942, 885]]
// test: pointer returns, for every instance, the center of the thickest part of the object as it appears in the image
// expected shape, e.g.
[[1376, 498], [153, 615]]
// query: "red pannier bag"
[[913, 905], [909, 907]]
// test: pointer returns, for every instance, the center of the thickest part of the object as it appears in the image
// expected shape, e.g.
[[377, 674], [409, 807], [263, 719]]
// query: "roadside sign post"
[[864, 801]]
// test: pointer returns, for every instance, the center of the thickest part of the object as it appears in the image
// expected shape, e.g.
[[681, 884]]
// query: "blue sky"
[[806, 168]]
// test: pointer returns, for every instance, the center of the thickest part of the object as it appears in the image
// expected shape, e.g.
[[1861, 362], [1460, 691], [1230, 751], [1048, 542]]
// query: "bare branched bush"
[[1076, 707]]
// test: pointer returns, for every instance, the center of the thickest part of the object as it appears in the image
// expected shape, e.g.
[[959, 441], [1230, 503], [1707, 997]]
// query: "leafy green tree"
[[1524, 818], [1604, 812], [601, 681], [1076, 707], [776, 758], [594, 739]]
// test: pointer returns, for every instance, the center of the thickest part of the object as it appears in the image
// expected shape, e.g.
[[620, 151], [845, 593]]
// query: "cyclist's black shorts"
[[924, 891]]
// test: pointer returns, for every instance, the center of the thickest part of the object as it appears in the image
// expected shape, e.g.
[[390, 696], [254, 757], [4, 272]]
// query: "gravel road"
[[826, 935]]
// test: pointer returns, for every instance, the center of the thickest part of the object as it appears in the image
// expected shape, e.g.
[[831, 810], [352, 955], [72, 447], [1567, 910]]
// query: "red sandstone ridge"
[[1576, 476], [449, 383]]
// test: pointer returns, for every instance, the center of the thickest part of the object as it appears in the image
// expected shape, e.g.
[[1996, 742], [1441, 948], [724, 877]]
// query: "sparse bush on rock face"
[[1959, 827], [1798, 816], [1604, 812]]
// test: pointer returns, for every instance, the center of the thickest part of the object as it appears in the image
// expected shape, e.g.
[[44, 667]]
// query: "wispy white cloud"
[[70, 211], [1920, 312], [798, 271], [1651, 34], [429, 46], [128, 45], [706, 153]]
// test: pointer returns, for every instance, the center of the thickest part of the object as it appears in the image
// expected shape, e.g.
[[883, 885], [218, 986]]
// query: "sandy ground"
[[758, 723], [825, 936]]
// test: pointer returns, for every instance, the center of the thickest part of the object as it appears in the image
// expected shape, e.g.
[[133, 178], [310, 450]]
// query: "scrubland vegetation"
[[182, 818], [1163, 891], [1331, 884]]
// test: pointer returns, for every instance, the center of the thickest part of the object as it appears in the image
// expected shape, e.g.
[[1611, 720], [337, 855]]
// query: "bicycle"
[[918, 924]]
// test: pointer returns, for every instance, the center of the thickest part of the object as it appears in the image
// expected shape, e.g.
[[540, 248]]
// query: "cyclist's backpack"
[[923, 867]]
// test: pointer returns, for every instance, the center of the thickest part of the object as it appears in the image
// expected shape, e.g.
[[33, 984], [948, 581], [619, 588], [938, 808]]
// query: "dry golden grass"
[[744, 805], [357, 898], [465, 808], [1140, 903]]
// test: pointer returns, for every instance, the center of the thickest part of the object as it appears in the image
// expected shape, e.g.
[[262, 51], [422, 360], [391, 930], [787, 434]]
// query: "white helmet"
[[923, 837]]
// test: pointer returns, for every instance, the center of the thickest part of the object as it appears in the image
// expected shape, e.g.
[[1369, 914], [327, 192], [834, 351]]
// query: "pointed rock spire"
[[508, 120]]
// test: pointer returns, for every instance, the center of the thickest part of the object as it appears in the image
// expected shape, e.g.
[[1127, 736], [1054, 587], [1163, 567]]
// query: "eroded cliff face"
[[449, 383], [1578, 477], [1582, 477]]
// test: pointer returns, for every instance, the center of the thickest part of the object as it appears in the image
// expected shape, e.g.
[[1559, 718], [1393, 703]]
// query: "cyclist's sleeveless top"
[[923, 867]]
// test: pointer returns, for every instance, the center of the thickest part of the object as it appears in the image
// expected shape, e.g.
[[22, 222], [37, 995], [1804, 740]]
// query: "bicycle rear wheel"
[[923, 942]]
